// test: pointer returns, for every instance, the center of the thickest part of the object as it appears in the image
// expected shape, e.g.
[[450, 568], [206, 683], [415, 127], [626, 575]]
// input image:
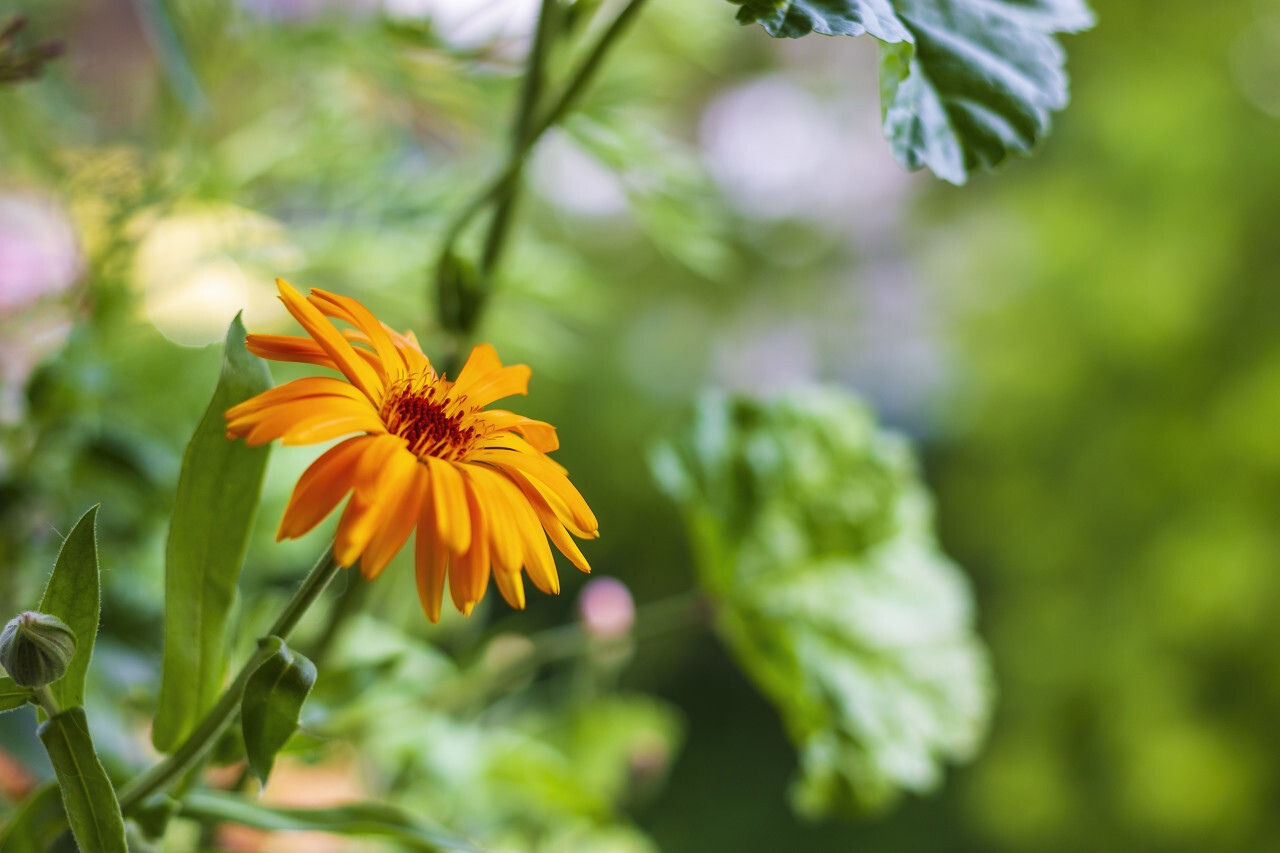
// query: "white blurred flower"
[[472, 23], [574, 181]]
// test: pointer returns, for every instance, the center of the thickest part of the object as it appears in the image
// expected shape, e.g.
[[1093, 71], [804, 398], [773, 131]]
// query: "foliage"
[[207, 146], [72, 596], [963, 84], [212, 516], [816, 541], [272, 702]]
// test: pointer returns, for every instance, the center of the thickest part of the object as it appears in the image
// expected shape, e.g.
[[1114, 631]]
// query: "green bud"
[[35, 649]]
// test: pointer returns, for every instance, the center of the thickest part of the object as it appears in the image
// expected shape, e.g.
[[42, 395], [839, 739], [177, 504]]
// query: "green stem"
[[220, 716], [502, 187], [44, 696], [530, 94]]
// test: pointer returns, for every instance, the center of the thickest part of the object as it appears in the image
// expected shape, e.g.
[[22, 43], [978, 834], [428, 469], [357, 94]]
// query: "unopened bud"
[[606, 608], [35, 649]]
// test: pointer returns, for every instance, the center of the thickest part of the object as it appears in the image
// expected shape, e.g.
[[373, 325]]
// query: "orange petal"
[[306, 421], [453, 520], [483, 359], [538, 561], [321, 487], [495, 385], [430, 559], [401, 506], [505, 545], [288, 348], [550, 521], [348, 309], [382, 463], [469, 573], [544, 472], [511, 585], [311, 386], [331, 341], [540, 436]]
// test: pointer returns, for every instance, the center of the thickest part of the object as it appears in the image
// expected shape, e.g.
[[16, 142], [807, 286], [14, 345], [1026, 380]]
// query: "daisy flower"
[[475, 483]]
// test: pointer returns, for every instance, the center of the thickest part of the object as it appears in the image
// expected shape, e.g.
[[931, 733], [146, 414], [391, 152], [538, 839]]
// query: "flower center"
[[418, 409]]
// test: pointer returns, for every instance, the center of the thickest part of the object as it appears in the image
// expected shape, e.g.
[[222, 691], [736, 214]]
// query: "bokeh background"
[[1085, 347]]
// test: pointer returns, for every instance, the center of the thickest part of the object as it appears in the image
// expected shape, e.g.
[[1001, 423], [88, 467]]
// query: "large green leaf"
[[815, 537], [72, 595], [272, 702], [217, 497], [357, 819], [87, 794], [963, 83], [12, 696]]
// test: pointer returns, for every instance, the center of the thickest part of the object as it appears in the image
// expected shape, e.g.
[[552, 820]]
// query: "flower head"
[[476, 483]]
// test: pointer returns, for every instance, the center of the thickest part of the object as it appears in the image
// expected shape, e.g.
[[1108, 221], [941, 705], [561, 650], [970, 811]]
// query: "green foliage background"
[[1084, 344]]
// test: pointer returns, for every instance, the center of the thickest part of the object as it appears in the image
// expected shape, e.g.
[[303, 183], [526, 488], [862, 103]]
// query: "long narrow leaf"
[[357, 819], [87, 794], [272, 702], [72, 595], [217, 498]]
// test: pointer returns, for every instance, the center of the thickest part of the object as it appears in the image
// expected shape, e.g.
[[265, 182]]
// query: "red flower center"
[[417, 409]]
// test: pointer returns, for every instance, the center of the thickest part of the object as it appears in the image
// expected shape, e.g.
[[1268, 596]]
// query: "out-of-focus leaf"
[[153, 816], [814, 534], [72, 595], [218, 493], [37, 824], [357, 819], [272, 702], [87, 793], [11, 695], [963, 83], [623, 745]]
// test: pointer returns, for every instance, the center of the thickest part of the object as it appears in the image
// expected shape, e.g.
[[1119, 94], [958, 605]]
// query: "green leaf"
[[272, 702], [87, 794], [72, 595], [12, 696], [815, 536], [357, 819], [218, 492], [153, 816], [963, 83], [796, 18], [37, 824]]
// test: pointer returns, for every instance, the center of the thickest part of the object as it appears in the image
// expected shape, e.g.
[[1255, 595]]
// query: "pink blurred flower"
[[606, 608], [39, 253]]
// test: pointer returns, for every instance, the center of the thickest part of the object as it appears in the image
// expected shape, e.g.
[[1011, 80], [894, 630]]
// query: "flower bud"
[[35, 649]]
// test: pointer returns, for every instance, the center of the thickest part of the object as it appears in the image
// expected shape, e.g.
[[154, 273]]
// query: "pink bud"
[[606, 608]]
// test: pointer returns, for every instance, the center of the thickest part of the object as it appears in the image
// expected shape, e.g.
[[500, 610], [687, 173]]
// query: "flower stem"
[[44, 696], [501, 190], [224, 711]]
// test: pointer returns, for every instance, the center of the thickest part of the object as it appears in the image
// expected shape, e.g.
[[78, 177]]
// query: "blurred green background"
[[1085, 346]]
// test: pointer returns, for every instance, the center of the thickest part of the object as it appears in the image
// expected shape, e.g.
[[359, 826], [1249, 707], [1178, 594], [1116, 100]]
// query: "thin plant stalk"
[[202, 739]]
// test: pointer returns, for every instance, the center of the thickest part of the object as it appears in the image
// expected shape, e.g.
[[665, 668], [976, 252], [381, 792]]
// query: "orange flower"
[[476, 483]]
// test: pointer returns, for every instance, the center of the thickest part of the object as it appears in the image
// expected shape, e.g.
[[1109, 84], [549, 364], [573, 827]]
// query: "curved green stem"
[[500, 191], [201, 740], [44, 697], [530, 94]]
